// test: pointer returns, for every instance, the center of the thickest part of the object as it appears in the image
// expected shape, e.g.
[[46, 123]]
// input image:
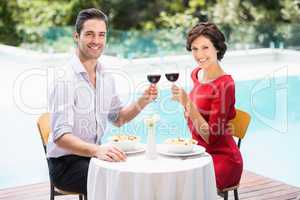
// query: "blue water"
[[270, 147]]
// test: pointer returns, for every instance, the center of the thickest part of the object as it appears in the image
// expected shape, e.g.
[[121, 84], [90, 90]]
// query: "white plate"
[[140, 148], [197, 150]]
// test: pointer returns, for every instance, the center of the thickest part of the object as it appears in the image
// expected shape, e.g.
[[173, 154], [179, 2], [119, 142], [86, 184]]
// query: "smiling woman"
[[211, 103]]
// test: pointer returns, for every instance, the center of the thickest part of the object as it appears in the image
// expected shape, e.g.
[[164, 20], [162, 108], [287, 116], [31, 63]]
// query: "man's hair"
[[211, 32], [86, 14]]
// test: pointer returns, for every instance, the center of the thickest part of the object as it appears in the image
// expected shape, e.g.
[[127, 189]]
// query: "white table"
[[161, 179]]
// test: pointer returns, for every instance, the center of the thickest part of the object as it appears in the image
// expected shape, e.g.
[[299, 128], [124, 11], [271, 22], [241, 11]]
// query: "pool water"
[[270, 147]]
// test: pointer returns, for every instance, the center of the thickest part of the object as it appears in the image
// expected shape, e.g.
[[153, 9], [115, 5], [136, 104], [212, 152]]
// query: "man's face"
[[92, 38]]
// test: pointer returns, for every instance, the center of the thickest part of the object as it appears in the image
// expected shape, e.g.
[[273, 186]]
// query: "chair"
[[239, 126], [44, 130]]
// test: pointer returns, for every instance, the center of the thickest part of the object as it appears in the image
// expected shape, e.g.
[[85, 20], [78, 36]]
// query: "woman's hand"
[[150, 94], [178, 94], [109, 153]]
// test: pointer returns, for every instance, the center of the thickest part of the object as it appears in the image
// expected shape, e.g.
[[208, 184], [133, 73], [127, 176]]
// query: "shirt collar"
[[78, 66]]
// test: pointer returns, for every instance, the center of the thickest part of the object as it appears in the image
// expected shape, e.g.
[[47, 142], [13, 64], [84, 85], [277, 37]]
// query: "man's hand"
[[109, 153], [131, 111], [150, 94]]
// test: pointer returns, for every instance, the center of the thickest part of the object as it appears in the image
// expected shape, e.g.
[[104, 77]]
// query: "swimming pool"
[[269, 148]]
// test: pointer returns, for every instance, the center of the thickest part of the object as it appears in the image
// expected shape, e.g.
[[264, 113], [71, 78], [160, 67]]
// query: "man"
[[80, 105]]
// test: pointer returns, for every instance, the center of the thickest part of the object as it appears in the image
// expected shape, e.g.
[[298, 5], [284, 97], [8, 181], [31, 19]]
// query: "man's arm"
[[128, 113], [79, 147]]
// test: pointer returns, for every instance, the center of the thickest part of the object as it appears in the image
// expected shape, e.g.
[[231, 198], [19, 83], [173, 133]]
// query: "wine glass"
[[153, 79], [172, 77], [154, 75], [172, 74]]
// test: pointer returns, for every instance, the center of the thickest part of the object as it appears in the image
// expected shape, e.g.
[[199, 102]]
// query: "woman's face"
[[204, 52]]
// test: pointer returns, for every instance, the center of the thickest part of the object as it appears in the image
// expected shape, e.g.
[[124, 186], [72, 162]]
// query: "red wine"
[[172, 76], [153, 78]]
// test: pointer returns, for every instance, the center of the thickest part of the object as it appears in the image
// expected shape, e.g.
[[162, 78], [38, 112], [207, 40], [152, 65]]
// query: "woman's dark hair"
[[90, 13], [211, 32]]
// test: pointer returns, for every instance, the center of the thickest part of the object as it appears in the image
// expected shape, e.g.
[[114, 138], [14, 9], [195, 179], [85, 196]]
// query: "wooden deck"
[[253, 187]]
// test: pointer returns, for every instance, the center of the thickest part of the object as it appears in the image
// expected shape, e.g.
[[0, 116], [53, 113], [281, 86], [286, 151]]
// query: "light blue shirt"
[[77, 107]]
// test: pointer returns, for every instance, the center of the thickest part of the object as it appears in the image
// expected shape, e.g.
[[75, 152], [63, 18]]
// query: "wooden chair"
[[44, 130], [239, 126]]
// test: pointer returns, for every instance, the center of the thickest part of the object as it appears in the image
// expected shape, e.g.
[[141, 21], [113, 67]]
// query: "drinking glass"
[[154, 76]]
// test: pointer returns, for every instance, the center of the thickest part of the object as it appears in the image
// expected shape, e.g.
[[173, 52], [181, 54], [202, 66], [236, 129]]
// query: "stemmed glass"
[[154, 78], [172, 74], [172, 77]]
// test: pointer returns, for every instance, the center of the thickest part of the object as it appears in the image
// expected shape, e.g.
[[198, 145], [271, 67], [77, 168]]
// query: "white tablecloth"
[[161, 179]]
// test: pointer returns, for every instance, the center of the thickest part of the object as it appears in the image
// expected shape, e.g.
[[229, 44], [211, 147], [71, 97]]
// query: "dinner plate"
[[139, 148], [197, 150]]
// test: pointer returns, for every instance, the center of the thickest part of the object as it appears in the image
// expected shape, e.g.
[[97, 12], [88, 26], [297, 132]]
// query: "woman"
[[210, 105]]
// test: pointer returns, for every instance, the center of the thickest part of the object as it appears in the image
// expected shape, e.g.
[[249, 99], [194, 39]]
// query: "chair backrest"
[[240, 124], [43, 125], [44, 128]]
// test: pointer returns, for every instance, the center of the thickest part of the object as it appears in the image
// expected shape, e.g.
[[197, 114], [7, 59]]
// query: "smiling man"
[[81, 104]]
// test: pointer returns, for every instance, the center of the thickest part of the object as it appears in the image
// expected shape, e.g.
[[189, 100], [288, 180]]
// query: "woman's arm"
[[199, 123], [221, 109]]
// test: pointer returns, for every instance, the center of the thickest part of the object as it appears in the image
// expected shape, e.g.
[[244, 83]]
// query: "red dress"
[[215, 101]]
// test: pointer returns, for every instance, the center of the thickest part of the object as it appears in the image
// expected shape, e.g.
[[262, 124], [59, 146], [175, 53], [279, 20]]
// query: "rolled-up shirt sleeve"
[[61, 109], [116, 104], [115, 108]]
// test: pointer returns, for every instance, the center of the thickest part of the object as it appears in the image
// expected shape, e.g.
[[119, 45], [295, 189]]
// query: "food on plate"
[[180, 145], [123, 137], [125, 142], [181, 141]]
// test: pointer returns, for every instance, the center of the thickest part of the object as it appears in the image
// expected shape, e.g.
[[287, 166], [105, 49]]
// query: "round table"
[[166, 178]]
